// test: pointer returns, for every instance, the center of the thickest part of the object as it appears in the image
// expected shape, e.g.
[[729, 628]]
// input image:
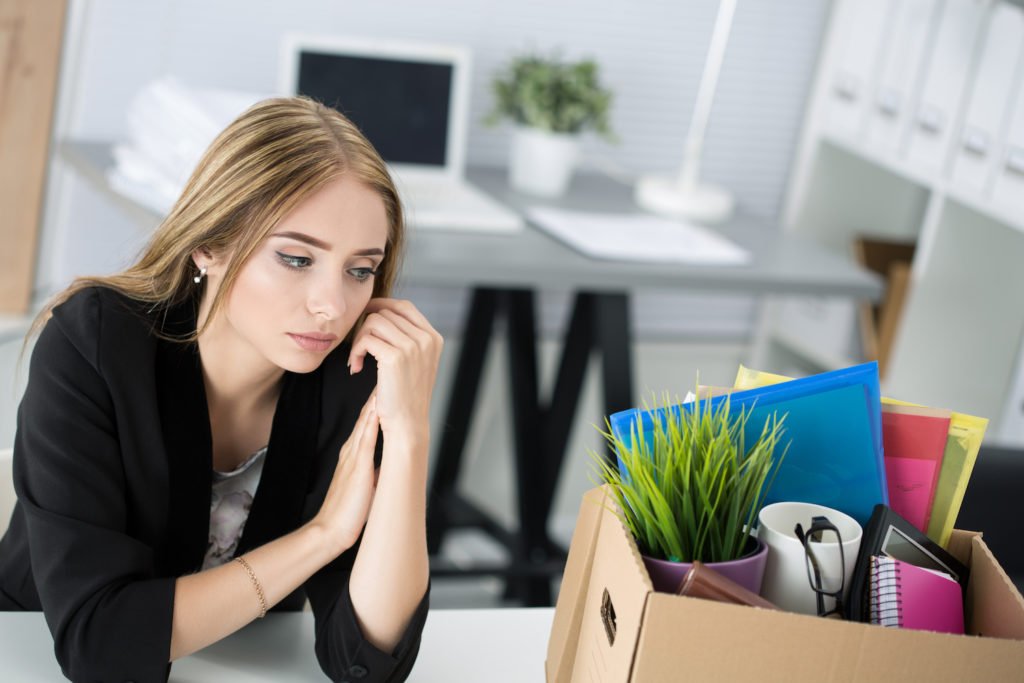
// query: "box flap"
[[994, 606], [565, 629], [614, 604], [959, 545]]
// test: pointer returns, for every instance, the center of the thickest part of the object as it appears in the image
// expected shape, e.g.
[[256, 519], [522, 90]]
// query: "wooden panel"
[[31, 33]]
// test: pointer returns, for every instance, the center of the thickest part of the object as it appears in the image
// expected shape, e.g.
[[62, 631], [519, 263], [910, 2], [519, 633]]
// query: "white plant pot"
[[542, 163]]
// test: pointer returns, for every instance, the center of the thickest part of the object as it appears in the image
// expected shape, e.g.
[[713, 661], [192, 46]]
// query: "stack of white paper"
[[169, 127], [638, 237]]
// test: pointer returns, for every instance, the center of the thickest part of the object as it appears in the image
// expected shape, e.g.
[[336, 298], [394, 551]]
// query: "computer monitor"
[[408, 99]]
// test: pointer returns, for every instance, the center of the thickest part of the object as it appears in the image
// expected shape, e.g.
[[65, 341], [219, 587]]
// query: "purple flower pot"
[[747, 571]]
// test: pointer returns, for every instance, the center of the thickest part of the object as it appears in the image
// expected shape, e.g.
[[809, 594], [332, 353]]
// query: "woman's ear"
[[203, 258]]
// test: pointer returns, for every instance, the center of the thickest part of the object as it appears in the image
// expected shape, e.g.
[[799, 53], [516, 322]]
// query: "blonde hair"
[[269, 159]]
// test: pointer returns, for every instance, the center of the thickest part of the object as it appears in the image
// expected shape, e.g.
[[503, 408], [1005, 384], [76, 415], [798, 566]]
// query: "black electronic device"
[[891, 535]]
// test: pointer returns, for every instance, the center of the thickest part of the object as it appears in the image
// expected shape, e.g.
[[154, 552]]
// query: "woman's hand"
[[347, 503], [407, 350]]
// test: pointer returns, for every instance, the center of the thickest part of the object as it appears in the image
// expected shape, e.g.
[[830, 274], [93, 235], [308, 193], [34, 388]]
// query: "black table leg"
[[476, 340], [541, 430], [561, 412], [614, 342], [528, 426]]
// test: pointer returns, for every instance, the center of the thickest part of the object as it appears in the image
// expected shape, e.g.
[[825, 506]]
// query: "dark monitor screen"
[[400, 106]]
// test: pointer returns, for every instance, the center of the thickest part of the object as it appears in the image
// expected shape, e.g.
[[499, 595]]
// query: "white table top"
[[494, 645], [782, 263]]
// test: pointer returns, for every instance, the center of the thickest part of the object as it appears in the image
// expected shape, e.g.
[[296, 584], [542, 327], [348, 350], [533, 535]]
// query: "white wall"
[[651, 53]]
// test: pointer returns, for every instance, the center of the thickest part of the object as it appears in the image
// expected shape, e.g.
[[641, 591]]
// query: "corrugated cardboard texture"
[[618, 584], [960, 545], [565, 630], [661, 637], [689, 639], [994, 606]]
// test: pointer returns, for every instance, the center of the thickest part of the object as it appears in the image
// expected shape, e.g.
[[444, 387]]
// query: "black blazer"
[[112, 467]]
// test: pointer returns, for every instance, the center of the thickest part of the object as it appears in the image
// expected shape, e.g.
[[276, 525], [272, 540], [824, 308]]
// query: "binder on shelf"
[[911, 24], [862, 26], [1008, 189], [945, 79], [905, 596], [978, 146]]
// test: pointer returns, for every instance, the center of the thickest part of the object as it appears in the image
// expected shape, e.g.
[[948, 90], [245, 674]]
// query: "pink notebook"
[[906, 596]]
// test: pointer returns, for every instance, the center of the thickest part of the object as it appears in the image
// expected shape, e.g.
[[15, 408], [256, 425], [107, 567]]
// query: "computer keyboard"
[[442, 205]]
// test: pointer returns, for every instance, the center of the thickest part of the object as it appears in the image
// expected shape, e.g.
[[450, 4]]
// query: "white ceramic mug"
[[785, 576]]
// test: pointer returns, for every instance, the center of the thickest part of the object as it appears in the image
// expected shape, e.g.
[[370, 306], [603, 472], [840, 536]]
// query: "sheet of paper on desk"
[[637, 237]]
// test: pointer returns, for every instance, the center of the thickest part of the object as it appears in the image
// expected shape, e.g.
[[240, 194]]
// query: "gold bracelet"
[[256, 585]]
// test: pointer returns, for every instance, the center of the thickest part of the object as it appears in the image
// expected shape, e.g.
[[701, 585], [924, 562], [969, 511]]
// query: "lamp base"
[[703, 203]]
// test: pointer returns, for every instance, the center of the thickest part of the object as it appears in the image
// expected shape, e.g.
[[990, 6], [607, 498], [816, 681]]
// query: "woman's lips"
[[313, 341]]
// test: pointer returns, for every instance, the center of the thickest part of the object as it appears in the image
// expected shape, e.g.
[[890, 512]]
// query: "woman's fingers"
[[423, 339], [402, 307], [362, 422], [398, 322], [357, 432], [396, 332], [375, 346], [368, 439]]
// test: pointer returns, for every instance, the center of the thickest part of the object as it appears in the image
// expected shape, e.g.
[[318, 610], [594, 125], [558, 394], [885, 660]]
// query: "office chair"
[[992, 506], [7, 496]]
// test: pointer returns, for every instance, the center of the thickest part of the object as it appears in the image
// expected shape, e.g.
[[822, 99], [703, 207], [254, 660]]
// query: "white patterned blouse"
[[230, 502]]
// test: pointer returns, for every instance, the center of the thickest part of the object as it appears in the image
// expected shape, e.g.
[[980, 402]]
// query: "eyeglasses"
[[824, 584]]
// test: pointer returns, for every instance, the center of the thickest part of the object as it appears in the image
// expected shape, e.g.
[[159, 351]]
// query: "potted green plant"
[[688, 488], [551, 103]]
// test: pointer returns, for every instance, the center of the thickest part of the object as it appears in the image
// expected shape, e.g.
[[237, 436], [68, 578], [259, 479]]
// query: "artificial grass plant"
[[688, 488]]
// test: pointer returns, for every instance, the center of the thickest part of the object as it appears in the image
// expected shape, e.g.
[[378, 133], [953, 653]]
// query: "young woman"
[[198, 442]]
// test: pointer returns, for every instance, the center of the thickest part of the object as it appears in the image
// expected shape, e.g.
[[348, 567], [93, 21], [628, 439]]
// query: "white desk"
[[493, 645]]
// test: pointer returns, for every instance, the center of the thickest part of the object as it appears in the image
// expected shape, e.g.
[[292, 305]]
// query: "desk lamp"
[[683, 195]]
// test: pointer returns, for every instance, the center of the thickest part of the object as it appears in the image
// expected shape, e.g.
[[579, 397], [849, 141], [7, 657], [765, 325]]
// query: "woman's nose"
[[327, 299]]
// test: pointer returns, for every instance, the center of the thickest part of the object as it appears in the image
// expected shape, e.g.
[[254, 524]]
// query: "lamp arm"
[[690, 171]]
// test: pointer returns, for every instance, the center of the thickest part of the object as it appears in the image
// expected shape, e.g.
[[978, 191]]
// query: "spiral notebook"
[[905, 596]]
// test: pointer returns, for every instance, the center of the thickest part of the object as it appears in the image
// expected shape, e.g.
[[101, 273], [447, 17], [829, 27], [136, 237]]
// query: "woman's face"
[[305, 286]]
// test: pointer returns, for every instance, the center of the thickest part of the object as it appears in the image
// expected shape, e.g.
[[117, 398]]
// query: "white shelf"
[[890, 162], [959, 344], [1012, 216]]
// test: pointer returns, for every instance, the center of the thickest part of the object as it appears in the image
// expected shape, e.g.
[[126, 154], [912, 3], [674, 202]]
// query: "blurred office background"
[[651, 54]]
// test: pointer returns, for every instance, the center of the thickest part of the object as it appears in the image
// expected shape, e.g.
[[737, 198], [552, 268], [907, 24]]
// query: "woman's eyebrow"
[[303, 237], [320, 244]]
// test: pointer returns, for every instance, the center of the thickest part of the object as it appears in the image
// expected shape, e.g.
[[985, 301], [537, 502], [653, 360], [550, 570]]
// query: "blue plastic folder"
[[834, 426]]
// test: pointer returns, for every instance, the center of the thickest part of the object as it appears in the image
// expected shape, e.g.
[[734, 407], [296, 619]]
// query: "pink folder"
[[914, 444]]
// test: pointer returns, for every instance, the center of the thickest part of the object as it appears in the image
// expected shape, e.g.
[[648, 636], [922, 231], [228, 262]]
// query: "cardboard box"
[[610, 625]]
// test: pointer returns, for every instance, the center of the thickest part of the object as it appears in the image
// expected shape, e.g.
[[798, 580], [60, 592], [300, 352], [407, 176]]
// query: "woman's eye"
[[296, 262], [362, 274]]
